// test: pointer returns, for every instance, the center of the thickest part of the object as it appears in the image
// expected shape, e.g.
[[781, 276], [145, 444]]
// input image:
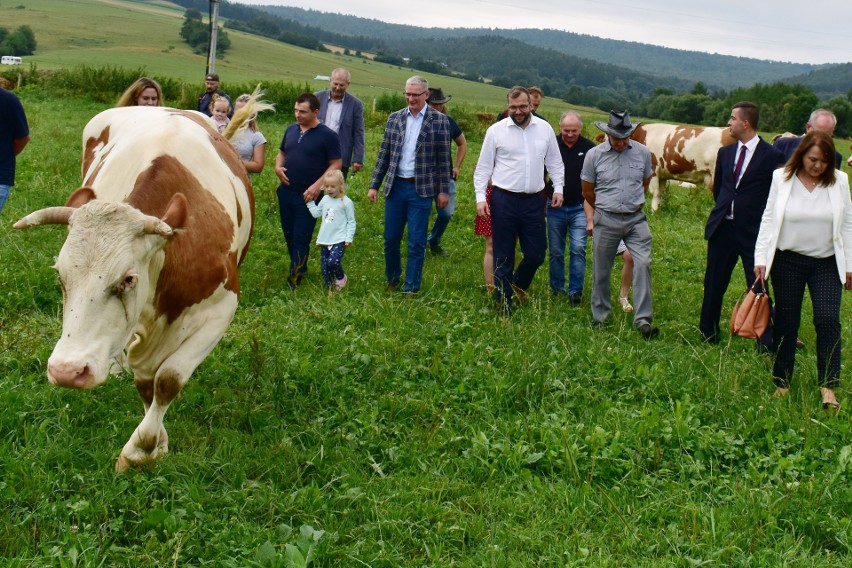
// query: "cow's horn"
[[154, 226], [48, 216]]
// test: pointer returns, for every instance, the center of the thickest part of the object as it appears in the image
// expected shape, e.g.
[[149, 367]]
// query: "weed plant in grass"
[[422, 432]]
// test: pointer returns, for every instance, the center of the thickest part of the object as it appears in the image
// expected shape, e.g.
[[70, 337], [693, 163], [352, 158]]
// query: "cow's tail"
[[246, 116]]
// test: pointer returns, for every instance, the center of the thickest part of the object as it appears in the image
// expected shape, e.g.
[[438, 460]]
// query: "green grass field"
[[364, 429], [422, 432]]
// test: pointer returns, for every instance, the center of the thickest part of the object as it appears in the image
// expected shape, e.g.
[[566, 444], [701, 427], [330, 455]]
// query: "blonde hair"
[[216, 99], [334, 177], [246, 117]]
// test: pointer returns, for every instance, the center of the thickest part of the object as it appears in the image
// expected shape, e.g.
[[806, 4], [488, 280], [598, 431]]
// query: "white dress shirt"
[[514, 158]]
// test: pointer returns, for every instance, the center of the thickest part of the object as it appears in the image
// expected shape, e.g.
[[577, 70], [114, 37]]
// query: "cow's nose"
[[70, 375]]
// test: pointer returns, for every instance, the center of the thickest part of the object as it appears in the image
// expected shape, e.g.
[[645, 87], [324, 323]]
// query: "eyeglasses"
[[414, 95], [522, 108]]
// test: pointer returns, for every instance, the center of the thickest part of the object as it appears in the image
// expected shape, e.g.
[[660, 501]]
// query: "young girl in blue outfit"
[[337, 228]]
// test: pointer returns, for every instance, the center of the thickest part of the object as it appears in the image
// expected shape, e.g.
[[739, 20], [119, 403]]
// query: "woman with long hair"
[[805, 239]]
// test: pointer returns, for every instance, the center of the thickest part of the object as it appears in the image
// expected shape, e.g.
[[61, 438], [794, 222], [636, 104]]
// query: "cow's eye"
[[128, 282]]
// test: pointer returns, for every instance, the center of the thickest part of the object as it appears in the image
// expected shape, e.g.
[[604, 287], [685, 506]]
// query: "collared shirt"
[[409, 146], [514, 158], [333, 112], [618, 177], [750, 147]]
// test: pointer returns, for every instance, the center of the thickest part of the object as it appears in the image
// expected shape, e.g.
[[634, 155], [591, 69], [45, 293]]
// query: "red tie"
[[739, 167]]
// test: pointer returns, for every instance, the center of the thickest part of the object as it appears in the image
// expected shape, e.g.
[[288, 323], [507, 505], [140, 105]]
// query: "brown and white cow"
[[684, 153], [149, 267]]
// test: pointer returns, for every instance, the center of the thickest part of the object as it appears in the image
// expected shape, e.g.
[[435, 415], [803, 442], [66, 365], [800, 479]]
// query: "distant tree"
[[699, 89], [197, 34], [20, 41], [842, 108]]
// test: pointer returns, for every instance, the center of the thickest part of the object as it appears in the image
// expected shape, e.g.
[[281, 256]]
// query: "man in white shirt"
[[741, 184], [514, 154]]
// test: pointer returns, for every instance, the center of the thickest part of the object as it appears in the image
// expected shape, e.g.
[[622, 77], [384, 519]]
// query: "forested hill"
[[690, 66], [508, 62], [827, 83]]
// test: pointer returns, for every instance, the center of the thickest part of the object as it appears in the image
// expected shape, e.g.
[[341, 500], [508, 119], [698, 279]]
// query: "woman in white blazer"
[[805, 239]]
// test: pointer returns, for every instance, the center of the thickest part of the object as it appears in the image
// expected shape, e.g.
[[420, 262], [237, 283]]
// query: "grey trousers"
[[609, 229]]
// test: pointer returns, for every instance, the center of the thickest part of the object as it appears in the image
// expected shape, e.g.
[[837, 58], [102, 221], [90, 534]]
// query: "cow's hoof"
[[121, 464]]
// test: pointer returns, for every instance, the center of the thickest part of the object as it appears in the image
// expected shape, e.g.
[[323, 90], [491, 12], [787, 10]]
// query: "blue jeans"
[[298, 226], [4, 195], [403, 206], [570, 221], [442, 219]]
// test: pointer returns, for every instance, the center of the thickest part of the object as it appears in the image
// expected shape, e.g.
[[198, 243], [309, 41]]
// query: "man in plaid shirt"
[[416, 163]]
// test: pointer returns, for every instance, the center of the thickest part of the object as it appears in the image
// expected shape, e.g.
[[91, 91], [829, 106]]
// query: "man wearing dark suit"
[[821, 119], [344, 113], [416, 163], [741, 187]]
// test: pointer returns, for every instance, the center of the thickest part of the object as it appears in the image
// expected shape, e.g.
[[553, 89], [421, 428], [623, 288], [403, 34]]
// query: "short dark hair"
[[797, 161], [516, 92], [311, 99], [750, 112]]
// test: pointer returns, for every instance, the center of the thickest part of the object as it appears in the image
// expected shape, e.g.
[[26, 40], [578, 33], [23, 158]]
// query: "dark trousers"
[[724, 248], [331, 263], [298, 226], [520, 215], [791, 272]]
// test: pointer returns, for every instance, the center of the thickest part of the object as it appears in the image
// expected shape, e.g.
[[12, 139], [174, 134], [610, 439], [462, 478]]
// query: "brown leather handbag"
[[750, 317]]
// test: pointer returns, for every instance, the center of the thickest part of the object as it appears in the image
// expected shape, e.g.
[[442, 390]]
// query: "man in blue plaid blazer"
[[416, 163]]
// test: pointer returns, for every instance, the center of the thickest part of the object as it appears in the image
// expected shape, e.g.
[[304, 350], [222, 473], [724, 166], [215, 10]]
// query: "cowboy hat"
[[437, 96], [619, 124]]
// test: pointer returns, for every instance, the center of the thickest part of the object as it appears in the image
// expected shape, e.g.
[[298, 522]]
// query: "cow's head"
[[108, 268]]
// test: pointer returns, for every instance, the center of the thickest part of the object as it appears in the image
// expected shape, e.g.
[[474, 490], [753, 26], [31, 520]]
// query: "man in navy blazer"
[[415, 163], [344, 113], [821, 119], [741, 187]]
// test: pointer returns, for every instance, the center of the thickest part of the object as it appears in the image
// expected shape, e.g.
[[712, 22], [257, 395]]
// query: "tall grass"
[[422, 432]]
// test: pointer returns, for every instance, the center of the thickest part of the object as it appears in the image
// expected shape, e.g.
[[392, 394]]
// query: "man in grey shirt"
[[615, 177]]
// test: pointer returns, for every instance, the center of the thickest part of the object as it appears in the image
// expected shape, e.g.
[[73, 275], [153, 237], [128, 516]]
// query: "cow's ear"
[[81, 197], [176, 212]]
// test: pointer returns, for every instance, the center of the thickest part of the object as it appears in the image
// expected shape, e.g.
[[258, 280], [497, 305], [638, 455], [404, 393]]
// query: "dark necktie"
[[737, 170], [739, 167]]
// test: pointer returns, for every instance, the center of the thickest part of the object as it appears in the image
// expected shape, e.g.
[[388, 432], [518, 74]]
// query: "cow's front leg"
[[150, 441]]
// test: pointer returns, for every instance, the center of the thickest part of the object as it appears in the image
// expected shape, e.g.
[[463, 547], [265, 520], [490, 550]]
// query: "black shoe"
[[438, 251], [649, 331], [392, 287], [575, 299]]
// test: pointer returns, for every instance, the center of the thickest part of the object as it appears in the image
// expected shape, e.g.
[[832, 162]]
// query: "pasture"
[[365, 429]]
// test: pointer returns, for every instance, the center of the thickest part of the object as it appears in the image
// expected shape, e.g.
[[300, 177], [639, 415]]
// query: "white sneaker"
[[342, 282]]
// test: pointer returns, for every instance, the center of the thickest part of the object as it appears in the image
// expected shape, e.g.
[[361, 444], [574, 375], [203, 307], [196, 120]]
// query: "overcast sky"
[[783, 30]]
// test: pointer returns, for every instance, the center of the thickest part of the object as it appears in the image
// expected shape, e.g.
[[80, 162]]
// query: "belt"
[[625, 212], [519, 194], [409, 180]]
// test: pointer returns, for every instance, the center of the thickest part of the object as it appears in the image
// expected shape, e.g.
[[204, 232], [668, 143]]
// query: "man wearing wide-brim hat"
[[615, 177], [437, 99]]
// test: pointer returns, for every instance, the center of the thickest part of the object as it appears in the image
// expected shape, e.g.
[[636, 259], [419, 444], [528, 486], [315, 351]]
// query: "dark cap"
[[212, 77]]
